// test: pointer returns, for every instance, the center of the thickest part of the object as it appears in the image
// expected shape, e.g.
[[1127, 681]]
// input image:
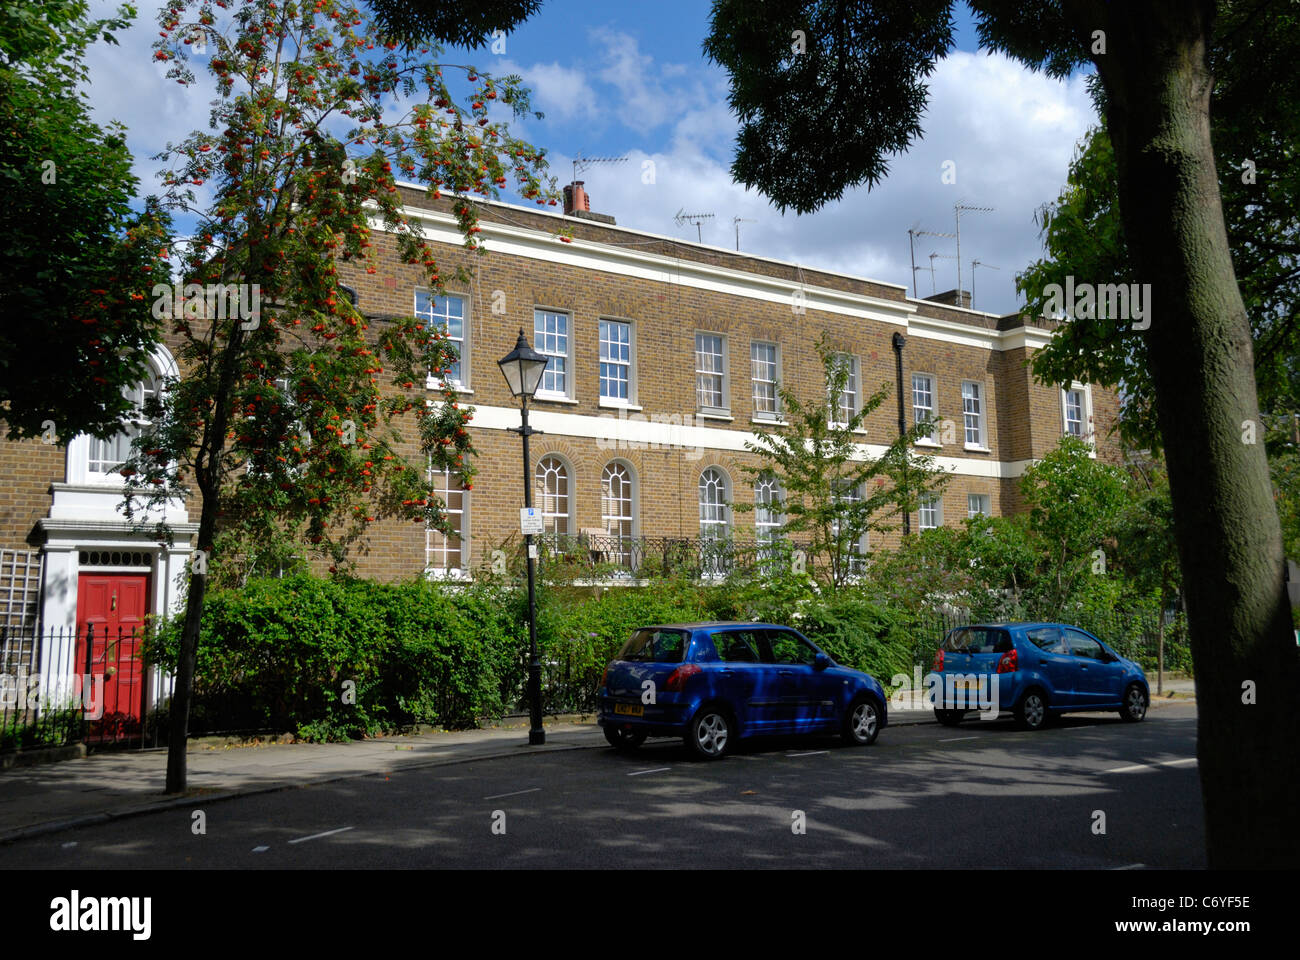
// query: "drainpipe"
[[899, 342]]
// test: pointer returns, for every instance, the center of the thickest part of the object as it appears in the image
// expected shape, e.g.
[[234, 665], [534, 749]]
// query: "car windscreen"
[[658, 646], [977, 640]]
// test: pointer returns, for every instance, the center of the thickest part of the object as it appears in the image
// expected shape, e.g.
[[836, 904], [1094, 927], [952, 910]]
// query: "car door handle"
[[726, 673], [786, 673]]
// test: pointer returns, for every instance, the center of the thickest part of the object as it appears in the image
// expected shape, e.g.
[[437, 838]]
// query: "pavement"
[[113, 785]]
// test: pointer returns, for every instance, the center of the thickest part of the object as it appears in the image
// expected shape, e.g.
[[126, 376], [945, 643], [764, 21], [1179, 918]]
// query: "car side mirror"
[[821, 662]]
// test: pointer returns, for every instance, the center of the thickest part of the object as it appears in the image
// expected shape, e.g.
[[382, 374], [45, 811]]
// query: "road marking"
[[637, 773], [746, 756], [69, 846], [958, 739], [1151, 766], [1132, 866], [261, 849], [317, 836], [810, 753], [498, 796]]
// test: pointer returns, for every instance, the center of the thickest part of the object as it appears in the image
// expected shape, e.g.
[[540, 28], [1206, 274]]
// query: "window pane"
[[713, 505], [551, 337], [446, 554], [553, 495], [444, 313], [763, 364], [1074, 413], [923, 401], [977, 504], [972, 411], [615, 359], [616, 507], [709, 371]]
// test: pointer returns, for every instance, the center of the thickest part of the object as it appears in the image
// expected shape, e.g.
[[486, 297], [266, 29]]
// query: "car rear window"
[[658, 646], [977, 640]]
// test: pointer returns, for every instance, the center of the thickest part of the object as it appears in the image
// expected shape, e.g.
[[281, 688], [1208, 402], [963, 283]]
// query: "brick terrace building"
[[666, 355]]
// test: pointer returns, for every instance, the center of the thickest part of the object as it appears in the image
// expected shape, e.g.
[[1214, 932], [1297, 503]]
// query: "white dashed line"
[[1131, 866], [498, 796], [958, 739], [810, 753], [317, 836], [637, 773], [1151, 766], [261, 849]]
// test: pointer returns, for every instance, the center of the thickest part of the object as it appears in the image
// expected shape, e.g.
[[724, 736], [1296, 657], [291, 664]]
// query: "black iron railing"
[[610, 556], [100, 693]]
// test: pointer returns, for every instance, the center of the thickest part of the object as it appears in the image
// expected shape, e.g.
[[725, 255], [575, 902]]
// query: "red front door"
[[111, 608]]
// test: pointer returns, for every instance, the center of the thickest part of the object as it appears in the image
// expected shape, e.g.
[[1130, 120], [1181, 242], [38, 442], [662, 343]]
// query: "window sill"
[[550, 398], [773, 421], [437, 385], [928, 443], [608, 404], [972, 448], [715, 415]]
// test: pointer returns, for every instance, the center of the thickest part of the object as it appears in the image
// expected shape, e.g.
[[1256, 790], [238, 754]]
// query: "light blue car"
[[1035, 671]]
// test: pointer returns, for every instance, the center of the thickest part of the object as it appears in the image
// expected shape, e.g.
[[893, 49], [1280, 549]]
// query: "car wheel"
[[623, 740], [1031, 713], [949, 718], [710, 734], [1135, 704], [862, 723]]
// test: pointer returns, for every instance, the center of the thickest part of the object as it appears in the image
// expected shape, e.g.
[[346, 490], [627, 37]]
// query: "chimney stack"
[[575, 199], [578, 204]]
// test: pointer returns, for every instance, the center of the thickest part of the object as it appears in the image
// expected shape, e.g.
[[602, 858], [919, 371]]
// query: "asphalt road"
[[981, 795]]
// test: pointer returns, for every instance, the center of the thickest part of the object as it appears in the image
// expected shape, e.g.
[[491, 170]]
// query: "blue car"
[[1036, 671], [715, 683]]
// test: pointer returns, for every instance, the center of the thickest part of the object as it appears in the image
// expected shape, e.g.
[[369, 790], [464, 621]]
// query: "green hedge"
[[287, 654]]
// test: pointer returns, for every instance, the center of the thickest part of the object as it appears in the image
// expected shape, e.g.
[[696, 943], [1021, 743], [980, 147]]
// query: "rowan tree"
[[289, 408]]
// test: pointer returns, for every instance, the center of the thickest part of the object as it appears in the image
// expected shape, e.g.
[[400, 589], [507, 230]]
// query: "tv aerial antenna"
[[958, 207], [695, 218], [736, 222], [581, 163], [912, 234], [973, 265]]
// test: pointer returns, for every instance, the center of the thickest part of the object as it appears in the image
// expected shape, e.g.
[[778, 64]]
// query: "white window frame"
[[541, 345], [858, 556], [1089, 435], [767, 520], [929, 504], [984, 508], [629, 364], [981, 408], [633, 507], [435, 571], [134, 423], [837, 406], [460, 384], [720, 527], [774, 414], [543, 498], [725, 394], [933, 440]]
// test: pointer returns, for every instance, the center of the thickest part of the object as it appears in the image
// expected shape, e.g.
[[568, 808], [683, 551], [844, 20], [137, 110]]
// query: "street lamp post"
[[523, 368]]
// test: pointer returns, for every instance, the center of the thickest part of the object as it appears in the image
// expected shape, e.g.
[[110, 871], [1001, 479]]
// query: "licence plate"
[[629, 709]]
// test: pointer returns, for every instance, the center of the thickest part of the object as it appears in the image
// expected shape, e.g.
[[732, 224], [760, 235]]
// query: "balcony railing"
[[609, 556]]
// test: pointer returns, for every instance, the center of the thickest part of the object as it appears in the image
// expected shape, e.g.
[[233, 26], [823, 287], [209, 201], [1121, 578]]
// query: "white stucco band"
[[622, 432]]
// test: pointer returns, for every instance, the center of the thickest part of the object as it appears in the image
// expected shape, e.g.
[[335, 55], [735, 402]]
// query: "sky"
[[630, 79]]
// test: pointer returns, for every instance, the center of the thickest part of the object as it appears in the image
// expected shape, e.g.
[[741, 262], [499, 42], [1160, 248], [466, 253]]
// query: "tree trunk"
[[1157, 80], [178, 738]]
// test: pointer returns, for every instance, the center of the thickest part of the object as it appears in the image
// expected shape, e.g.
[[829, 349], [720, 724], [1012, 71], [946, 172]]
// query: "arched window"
[[715, 515], [616, 506], [105, 457], [767, 509], [552, 495]]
